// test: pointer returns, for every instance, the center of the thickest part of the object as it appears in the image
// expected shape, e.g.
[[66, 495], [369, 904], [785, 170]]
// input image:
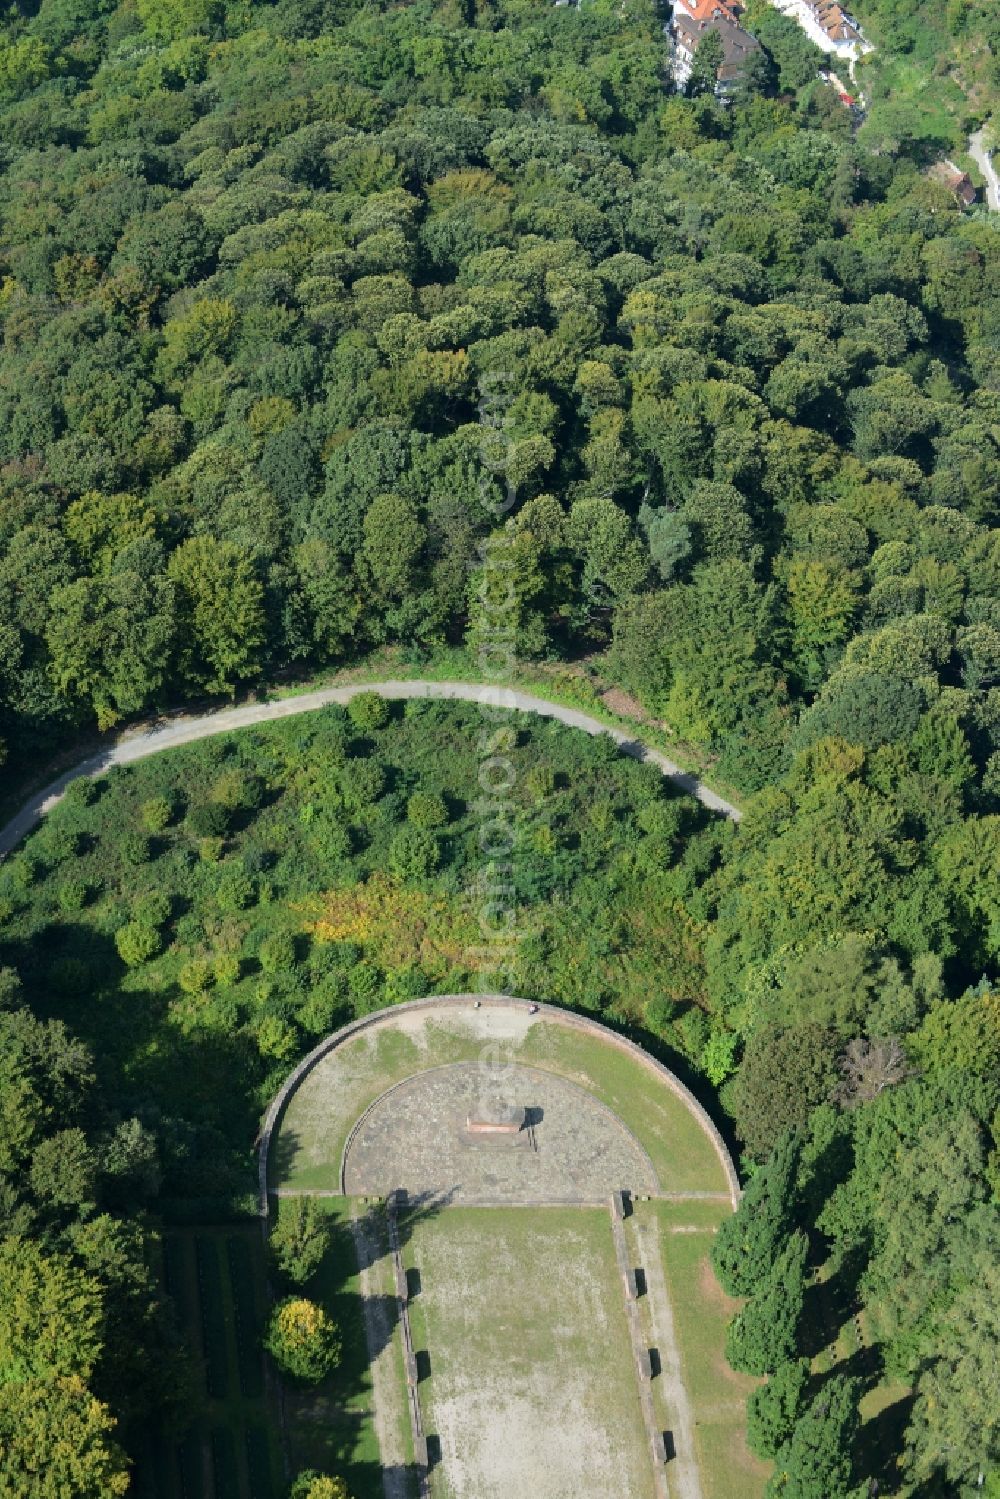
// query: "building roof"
[[704, 11], [835, 21], [957, 181], [737, 44]]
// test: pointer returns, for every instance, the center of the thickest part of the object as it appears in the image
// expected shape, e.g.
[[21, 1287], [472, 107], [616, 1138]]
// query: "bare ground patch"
[[531, 1390], [711, 1290]]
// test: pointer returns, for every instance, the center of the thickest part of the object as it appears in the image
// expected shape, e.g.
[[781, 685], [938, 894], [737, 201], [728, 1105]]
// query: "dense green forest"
[[296, 299]]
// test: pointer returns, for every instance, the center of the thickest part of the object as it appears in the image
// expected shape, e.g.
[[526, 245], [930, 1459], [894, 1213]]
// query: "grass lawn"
[[849, 1341], [681, 1151], [308, 1148], [332, 1427], [702, 1310], [521, 1319], [215, 1279]]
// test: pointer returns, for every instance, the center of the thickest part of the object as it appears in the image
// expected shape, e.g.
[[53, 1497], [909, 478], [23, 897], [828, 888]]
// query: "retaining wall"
[[455, 1001]]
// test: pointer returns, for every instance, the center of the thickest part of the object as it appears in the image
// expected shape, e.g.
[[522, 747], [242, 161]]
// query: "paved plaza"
[[572, 1149]]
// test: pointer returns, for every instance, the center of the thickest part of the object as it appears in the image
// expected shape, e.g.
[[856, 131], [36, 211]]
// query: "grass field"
[[306, 1153], [332, 1427], [215, 1280], [531, 1387], [701, 1312]]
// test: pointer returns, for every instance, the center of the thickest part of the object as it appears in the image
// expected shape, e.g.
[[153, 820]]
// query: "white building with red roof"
[[691, 20], [829, 25]]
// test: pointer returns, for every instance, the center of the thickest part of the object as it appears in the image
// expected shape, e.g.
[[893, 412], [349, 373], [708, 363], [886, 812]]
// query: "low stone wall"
[[455, 1001]]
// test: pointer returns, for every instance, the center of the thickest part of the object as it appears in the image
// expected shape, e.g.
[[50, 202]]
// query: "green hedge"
[[224, 1464], [260, 1464], [248, 1322], [213, 1318]]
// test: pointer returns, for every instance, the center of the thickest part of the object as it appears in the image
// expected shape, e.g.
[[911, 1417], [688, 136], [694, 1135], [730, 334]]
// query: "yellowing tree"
[[302, 1339], [313, 1485], [55, 1442]]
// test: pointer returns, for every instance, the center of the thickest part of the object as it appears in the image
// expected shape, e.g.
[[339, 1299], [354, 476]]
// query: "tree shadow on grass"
[[828, 1305], [331, 1427], [282, 1150], [880, 1442]]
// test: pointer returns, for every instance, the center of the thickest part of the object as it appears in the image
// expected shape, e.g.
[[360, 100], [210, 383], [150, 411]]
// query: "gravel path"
[[979, 154], [184, 730], [685, 1481], [382, 1350]]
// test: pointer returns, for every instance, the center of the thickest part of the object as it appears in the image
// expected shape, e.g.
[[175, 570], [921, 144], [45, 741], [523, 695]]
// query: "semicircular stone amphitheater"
[[446, 1132], [491, 1099]]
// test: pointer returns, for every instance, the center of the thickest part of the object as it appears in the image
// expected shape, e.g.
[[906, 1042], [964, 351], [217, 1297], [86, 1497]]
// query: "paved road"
[[979, 154], [183, 730]]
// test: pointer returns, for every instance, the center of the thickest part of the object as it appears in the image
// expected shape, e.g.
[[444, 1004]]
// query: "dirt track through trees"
[[185, 730]]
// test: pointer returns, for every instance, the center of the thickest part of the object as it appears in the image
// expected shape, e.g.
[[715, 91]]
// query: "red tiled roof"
[[709, 10]]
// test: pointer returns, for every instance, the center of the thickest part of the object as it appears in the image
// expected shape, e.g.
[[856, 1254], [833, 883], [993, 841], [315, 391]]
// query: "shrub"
[[277, 953], [365, 985], [406, 982], [236, 790], [425, 810], [368, 712], [414, 853], [210, 849], [300, 1240], [302, 1339], [134, 847], [313, 1485], [660, 819], [692, 1031], [718, 1056], [327, 836], [153, 908], [236, 889], [540, 782], [25, 871], [227, 969], [72, 895], [321, 1010], [544, 841], [81, 792], [277, 1038], [156, 814], [137, 943], [361, 783], [660, 1014], [208, 819], [60, 843]]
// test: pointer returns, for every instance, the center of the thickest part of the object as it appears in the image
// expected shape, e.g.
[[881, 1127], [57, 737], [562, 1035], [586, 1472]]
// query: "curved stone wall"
[[443, 1001]]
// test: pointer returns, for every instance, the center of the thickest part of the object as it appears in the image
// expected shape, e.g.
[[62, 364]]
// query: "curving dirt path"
[[984, 161], [184, 730]]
